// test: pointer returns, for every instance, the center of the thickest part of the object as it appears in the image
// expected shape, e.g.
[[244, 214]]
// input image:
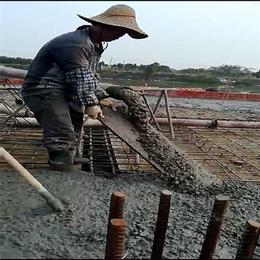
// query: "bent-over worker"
[[61, 83]]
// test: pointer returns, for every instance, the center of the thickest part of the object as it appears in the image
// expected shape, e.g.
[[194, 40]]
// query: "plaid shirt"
[[85, 86]]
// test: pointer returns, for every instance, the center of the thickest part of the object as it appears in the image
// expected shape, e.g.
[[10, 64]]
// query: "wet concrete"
[[235, 106], [182, 173], [30, 229]]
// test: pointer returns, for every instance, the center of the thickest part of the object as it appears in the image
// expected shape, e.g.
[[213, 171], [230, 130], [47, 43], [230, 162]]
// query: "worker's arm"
[[73, 60], [84, 85]]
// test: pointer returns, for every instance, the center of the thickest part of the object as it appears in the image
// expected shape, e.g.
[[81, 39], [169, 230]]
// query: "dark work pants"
[[58, 120]]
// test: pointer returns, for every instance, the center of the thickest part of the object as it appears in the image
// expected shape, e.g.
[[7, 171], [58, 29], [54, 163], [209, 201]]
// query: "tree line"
[[17, 60], [152, 69]]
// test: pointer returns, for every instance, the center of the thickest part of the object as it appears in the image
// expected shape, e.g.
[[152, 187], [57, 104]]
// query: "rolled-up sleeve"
[[73, 60], [84, 85]]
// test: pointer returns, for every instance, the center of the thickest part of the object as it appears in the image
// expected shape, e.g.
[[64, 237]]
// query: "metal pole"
[[116, 211], [157, 104], [249, 239], [151, 112], [116, 239], [161, 224], [209, 123], [168, 112], [213, 231]]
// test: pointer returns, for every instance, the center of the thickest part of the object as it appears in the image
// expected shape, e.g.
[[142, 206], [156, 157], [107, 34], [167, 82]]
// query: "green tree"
[[165, 69], [230, 71], [257, 74], [120, 66], [130, 67], [148, 71], [17, 60]]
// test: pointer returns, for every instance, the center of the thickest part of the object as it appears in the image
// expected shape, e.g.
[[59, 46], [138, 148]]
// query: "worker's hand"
[[106, 102], [94, 112]]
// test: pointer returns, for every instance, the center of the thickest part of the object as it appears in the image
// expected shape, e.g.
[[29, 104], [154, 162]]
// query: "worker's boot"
[[64, 161], [61, 160]]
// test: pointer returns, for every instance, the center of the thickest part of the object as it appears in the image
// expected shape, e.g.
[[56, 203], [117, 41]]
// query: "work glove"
[[94, 112], [106, 102]]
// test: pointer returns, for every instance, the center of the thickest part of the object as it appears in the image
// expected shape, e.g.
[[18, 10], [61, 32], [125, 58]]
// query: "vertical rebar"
[[249, 240], [214, 227], [116, 239], [116, 211], [158, 103], [137, 158], [151, 112], [116, 205], [168, 113], [161, 224], [79, 135]]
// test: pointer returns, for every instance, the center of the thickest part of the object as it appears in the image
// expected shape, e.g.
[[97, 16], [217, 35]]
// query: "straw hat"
[[120, 16]]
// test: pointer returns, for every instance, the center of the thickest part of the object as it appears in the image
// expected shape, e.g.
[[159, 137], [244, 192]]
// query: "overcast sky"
[[181, 34]]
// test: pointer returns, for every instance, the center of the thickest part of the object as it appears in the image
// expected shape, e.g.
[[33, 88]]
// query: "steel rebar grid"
[[26, 145], [231, 152], [168, 113], [228, 171], [124, 158], [232, 141], [116, 153], [189, 132], [214, 132], [18, 147], [213, 158]]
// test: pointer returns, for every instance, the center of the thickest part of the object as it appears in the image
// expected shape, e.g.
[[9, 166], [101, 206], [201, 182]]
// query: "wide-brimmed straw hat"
[[122, 16]]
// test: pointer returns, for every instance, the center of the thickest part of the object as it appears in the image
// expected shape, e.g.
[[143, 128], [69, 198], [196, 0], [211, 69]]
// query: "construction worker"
[[61, 83]]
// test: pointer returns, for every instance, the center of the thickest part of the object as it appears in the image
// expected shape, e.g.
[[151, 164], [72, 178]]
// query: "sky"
[[182, 34]]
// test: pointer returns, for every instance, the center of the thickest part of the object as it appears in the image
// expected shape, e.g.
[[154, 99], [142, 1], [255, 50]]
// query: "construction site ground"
[[29, 229], [229, 153]]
